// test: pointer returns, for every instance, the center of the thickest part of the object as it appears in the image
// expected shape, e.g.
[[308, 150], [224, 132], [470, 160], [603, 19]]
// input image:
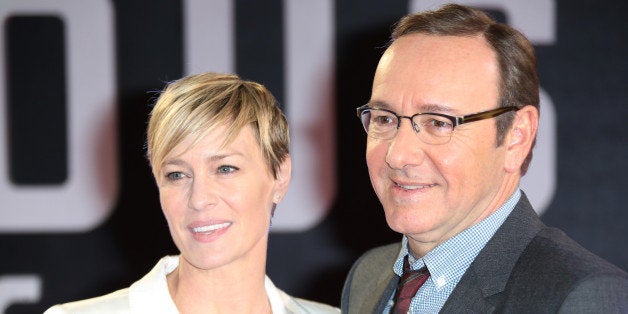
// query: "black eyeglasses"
[[432, 128]]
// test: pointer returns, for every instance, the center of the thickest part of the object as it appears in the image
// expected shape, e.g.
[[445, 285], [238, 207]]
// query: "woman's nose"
[[202, 194]]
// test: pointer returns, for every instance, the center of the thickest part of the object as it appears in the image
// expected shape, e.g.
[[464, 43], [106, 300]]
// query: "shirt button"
[[441, 281]]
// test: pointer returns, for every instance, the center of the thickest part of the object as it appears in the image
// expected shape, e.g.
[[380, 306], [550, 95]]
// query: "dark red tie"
[[409, 284]]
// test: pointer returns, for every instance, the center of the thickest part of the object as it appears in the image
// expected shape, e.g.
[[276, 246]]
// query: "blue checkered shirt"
[[449, 261]]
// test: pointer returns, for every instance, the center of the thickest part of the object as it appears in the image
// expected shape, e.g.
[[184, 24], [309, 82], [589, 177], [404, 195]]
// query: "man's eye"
[[173, 176], [383, 120], [440, 124], [227, 169], [437, 126]]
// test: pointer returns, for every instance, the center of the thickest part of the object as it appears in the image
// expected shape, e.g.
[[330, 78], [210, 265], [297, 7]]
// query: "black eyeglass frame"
[[455, 121]]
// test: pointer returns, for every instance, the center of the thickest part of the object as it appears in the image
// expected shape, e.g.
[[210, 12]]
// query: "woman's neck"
[[237, 287]]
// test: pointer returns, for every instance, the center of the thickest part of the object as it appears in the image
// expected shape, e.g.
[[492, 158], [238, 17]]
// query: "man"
[[451, 123]]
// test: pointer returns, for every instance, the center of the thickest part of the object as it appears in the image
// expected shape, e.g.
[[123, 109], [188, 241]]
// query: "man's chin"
[[405, 225]]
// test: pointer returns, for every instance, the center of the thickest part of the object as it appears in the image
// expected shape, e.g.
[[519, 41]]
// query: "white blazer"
[[150, 295]]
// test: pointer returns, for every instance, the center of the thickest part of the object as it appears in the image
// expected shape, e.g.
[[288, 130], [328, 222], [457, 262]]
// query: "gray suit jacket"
[[526, 267]]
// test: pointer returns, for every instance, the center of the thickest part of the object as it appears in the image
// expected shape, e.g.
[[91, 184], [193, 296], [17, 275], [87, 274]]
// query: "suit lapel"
[[480, 288], [371, 281], [384, 287], [386, 294]]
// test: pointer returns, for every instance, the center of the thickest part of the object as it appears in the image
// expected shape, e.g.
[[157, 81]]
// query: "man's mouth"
[[414, 187]]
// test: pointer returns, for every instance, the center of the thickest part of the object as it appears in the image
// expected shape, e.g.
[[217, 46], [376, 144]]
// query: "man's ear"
[[520, 137], [283, 179]]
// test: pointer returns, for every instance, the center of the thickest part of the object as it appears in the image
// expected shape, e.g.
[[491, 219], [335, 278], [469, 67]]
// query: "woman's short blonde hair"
[[197, 104]]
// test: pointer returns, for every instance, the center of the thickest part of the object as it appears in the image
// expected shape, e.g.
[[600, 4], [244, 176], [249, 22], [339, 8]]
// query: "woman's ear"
[[282, 181], [520, 137]]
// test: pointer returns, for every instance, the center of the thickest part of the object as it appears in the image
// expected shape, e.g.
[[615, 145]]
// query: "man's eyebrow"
[[378, 104], [424, 108], [436, 108]]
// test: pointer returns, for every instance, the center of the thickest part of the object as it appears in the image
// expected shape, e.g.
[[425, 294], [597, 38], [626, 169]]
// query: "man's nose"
[[406, 148]]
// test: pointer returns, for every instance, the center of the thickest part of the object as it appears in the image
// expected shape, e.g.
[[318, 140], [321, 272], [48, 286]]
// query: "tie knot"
[[409, 274], [409, 284]]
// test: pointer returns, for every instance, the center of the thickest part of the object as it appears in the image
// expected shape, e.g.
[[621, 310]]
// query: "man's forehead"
[[443, 74]]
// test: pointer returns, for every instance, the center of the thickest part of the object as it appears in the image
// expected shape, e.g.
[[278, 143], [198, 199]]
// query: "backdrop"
[[79, 211]]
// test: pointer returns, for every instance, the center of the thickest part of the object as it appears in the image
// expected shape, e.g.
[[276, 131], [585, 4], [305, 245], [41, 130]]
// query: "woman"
[[218, 147]]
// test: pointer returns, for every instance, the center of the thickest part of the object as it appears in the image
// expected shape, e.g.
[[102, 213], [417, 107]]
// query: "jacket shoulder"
[[376, 259], [553, 266], [369, 279], [553, 255]]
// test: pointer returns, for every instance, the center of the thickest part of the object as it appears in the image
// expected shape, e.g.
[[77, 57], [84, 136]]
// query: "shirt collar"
[[151, 295], [449, 261]]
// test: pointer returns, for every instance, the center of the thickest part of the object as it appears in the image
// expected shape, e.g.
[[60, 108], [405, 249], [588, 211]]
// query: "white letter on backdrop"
[[87, 197]]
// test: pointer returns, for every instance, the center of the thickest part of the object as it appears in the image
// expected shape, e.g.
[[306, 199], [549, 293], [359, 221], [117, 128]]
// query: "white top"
[[150, 295]]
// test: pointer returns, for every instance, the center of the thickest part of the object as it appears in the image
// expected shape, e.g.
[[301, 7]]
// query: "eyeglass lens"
[[381, 124]]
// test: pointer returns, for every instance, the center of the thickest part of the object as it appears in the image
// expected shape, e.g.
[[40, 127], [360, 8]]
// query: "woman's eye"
[[173, 176], [227, 169]]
